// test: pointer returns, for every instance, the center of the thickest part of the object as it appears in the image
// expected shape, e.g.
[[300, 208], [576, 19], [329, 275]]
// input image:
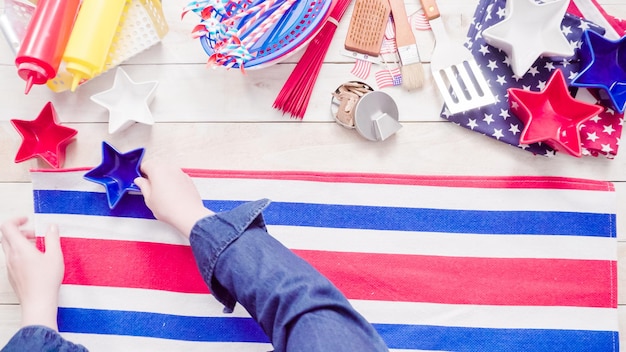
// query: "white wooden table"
[[220, 119]]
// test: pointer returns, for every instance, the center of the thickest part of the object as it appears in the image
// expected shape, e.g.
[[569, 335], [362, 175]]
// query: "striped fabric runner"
[[435, 263]]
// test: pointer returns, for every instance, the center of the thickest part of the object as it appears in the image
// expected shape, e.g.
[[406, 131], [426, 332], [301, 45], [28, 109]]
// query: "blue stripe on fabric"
[[174, 327], [214, 329], [461, 339], [358, 217]]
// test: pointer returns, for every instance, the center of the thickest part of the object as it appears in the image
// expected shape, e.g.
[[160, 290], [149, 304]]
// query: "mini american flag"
[[361, 69], [388, 46], [388, 77], [496, 120], [434, 263], [418, 21]]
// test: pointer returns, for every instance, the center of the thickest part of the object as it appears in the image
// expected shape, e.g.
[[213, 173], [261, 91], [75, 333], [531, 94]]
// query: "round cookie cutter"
[[376, 116], [344, 100]]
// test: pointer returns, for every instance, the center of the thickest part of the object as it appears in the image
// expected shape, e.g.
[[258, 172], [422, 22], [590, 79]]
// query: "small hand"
[[171, 195], [35, 276]]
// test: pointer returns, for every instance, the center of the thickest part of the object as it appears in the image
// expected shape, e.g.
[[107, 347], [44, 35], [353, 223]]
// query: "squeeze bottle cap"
[[79, 72], [32, 74]]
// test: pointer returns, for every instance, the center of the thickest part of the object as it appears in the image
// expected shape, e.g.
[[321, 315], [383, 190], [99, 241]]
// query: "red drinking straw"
[[47, 33], [294, 97]]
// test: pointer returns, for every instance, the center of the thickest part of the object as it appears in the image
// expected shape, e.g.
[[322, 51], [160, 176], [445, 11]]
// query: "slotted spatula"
[[454, 69]]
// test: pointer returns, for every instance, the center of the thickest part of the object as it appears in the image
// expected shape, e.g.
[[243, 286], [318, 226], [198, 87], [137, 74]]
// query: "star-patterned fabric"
[[600, 135]]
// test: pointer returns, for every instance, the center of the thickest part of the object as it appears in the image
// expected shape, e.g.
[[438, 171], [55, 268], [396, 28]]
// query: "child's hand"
[[34, 276], [171, 195]]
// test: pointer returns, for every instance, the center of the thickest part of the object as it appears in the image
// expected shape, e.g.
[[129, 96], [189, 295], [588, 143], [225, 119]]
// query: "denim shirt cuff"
[[40, 338], [211, 235]]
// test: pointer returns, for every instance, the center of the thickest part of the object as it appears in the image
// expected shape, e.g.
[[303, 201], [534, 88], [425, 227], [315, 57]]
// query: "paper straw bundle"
[[233, 27]]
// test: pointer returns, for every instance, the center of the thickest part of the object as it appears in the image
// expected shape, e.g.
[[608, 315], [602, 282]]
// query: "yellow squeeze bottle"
[[88, 46]]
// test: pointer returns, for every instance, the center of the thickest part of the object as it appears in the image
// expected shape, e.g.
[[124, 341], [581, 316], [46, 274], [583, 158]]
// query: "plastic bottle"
[[39, 55], [92, 36]]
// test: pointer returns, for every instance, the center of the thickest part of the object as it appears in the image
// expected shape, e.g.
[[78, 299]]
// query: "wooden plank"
[[193, 93], [418, 148]]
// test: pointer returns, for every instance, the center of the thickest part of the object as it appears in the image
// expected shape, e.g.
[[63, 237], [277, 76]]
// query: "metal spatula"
[[454, 69]]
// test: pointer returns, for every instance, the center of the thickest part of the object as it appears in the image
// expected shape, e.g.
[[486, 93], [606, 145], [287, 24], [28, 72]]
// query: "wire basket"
[[142, 26]]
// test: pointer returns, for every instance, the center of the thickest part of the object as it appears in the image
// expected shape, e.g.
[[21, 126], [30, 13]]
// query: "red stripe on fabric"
[[94, 262], [541, 182], [364, 276], [74, 169], [463, 280], [545, 182]]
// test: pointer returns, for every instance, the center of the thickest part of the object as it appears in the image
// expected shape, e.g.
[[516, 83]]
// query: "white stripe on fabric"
[[110, 228], [352, 240], [409, 196], [144, 300], [591, 13], [386, 195], [108, 343], [448, 244], [376, 312], [485, 316]]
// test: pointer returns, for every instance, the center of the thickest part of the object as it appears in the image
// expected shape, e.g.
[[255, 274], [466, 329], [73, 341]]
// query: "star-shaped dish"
[[127, 101], [117, 172], [43, 137], [529, 31], [604, 67], [552, 115]]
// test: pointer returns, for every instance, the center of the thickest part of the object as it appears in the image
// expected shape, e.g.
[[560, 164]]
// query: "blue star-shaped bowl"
[[604, 67], [117, 172]]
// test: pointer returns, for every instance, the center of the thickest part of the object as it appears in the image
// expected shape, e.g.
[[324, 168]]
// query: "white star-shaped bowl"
[[528, 31], [127, 101]]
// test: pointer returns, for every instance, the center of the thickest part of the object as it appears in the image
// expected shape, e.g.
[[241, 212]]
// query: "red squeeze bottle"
[[47, 33]]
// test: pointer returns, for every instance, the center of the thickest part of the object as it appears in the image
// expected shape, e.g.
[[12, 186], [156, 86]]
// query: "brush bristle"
[[412, 76]]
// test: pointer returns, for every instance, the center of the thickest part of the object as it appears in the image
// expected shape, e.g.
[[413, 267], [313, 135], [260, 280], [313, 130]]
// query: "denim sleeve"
[[297, 307], [40, 338]]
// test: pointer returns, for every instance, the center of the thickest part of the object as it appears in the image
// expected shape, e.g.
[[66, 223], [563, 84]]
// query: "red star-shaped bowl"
[[552, 116], [117, 172], [44, 138]]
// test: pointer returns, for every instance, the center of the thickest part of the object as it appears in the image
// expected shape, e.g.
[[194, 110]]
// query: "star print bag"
[[599, 136]]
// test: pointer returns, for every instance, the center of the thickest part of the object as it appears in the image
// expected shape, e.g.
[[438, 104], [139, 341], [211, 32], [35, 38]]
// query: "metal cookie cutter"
[[344, 101], [374, 114]]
